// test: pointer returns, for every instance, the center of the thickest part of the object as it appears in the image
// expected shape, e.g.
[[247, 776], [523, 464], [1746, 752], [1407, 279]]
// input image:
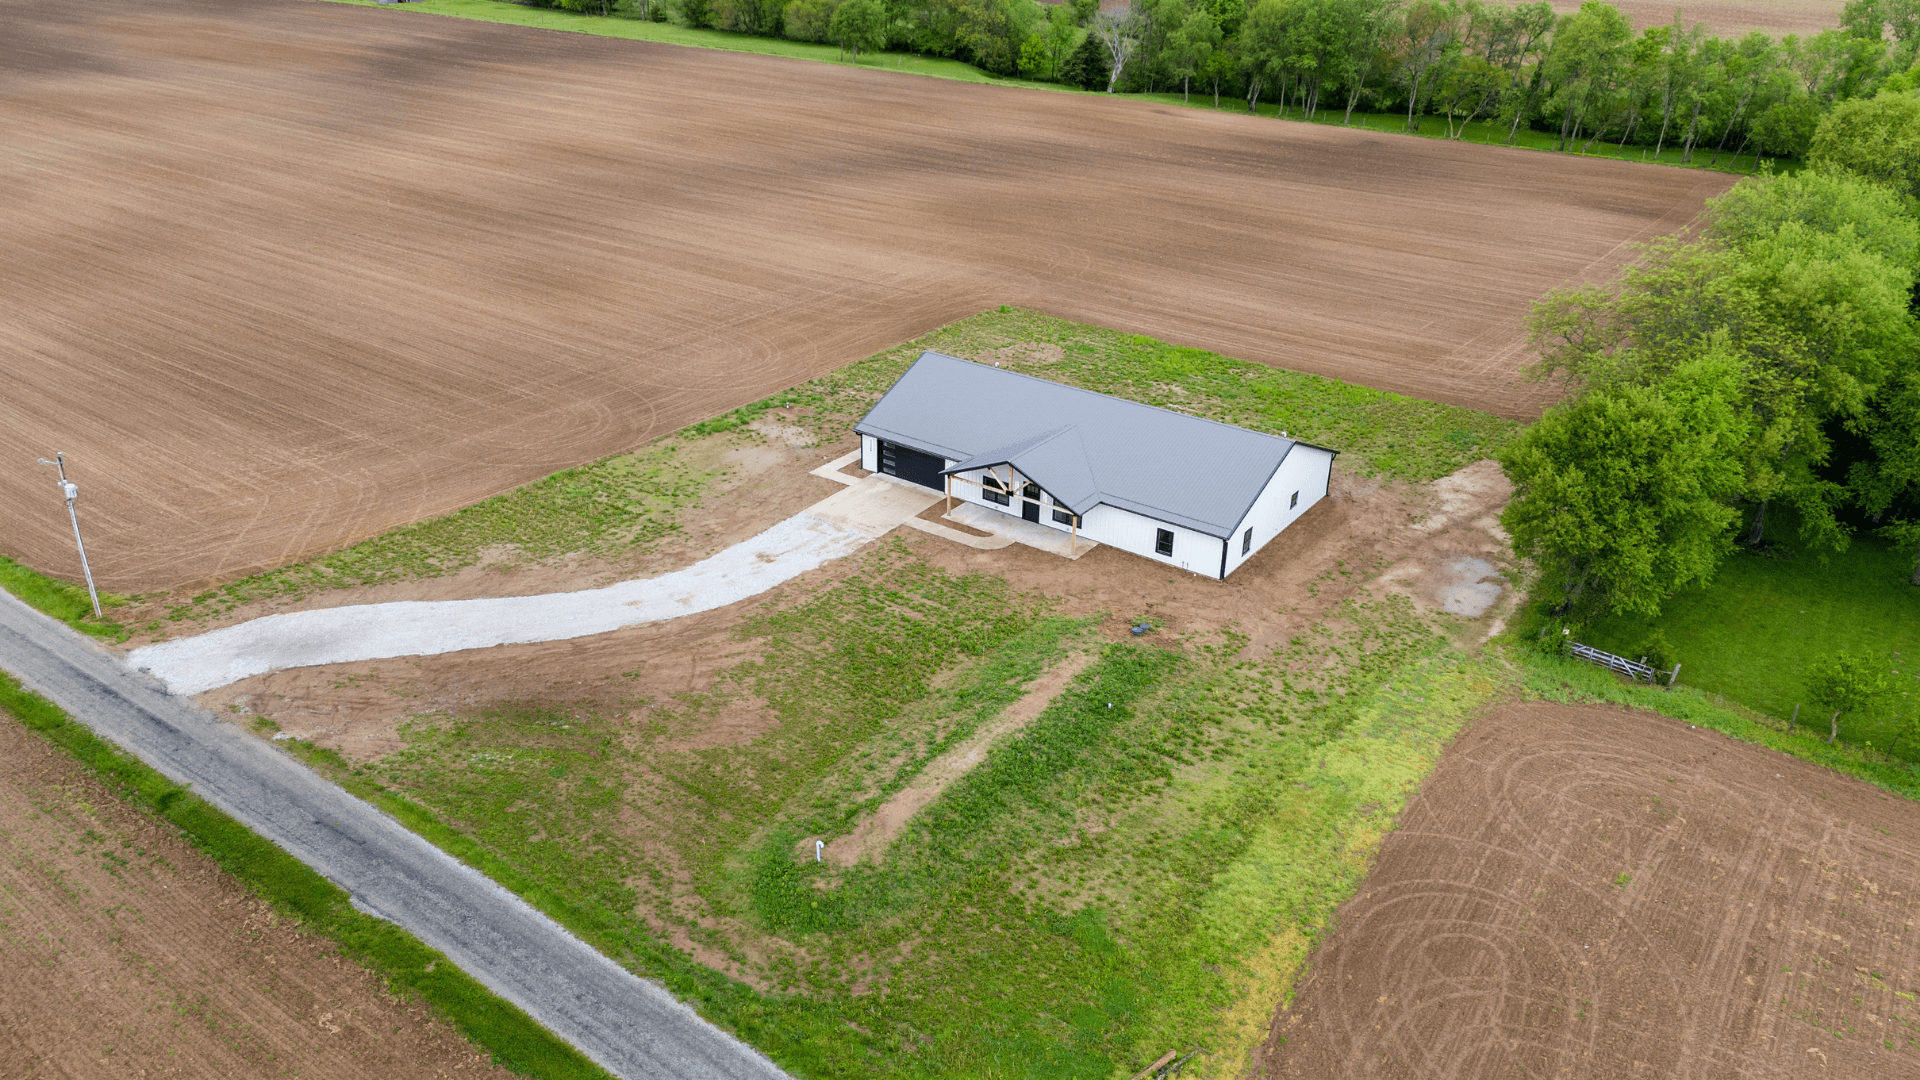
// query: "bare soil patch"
[[281, 276], [879, 828], [1586, 891], [125, 952], [1733, 18]]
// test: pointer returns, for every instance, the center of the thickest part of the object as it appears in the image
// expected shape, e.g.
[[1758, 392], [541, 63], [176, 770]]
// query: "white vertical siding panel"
[[1131, 532], [869, 453], [1306, 470]]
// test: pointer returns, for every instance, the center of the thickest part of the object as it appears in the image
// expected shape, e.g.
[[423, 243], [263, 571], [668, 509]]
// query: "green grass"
[[629, 501], [1153, 853], [511, 1037], [1376, 431], [1111, 883], [937, 67], [620, 504], [1485, 133], [1748, 635], [61, 600], [674, 34], [1549, 678]]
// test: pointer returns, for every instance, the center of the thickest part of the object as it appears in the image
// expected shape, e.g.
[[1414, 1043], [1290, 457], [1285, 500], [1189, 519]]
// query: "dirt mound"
[[282, 276], [1585, 891]]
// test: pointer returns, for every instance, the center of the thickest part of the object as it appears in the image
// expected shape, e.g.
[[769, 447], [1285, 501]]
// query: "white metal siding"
[[869, 453], [1129, 531], [971, 492], [1306, 470]]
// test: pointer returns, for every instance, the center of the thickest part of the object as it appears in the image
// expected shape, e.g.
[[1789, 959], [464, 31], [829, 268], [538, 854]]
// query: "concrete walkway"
[[1008, 529], [632, 1027]]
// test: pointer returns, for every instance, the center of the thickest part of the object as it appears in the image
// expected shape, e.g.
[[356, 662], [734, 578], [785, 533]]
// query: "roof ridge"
[[1095, 393]]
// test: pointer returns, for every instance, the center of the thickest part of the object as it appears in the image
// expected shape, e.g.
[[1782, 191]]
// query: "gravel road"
[[631, 1027]]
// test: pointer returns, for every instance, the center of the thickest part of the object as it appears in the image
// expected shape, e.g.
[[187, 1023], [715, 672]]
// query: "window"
[[1065, 518], [992, 490], [1295, 502], [1163, 543], [1031, 491], [1246, 542]]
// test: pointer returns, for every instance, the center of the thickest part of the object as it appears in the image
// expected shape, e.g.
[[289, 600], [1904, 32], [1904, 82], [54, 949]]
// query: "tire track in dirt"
[[1585, 891], [281, 276]]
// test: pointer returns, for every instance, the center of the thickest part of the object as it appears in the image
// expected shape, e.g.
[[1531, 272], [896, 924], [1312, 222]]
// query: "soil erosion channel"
[[1585, 891], [280, 276]]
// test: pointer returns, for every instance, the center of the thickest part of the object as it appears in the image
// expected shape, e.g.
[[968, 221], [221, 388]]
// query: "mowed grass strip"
[[1751, 633], [294, 889], [628, 501], [1550, 678], [62, 600], [1377, 432]]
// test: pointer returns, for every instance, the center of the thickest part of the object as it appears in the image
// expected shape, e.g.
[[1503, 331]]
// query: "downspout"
[[1223, 557]]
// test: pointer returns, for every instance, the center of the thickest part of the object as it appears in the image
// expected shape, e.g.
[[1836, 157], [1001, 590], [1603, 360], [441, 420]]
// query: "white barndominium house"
[[1192, 493]]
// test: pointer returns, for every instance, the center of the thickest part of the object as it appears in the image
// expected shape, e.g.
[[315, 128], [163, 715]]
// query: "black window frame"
[[992, 491], [1163, 543], [1065, 517], [1246, 541]]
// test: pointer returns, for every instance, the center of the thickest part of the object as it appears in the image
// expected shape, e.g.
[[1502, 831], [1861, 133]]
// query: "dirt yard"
[[283, 275], [1587, 892], [125, 952]]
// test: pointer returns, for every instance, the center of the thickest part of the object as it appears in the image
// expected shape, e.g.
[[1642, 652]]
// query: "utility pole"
[[71, 490]]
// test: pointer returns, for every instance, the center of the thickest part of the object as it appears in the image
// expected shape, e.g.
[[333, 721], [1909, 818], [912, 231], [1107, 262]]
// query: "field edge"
[[510, 1037]]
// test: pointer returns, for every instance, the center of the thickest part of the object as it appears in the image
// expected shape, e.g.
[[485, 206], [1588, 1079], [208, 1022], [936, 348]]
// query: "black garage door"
[[910, 464]]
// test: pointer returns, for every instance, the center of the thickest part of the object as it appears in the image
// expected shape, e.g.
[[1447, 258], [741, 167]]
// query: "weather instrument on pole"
[[71, 491]]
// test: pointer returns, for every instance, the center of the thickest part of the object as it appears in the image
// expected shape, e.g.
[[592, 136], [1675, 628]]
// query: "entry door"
[[1030, 502]]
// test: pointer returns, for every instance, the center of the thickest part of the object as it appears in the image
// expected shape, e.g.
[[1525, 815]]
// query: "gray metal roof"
[[1084, 448]]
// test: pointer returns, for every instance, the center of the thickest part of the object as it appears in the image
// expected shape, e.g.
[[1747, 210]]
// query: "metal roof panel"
[[1194, 472]]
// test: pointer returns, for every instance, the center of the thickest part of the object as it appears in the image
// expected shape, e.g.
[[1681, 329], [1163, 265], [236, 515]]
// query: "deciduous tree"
[[1847, 682], [1627, 494], [859, 25], [1878, 138], [1119, 33]]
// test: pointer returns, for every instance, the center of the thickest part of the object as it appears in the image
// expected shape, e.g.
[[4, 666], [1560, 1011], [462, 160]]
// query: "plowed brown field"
[[1588, 892], [1733, 18], [124, 952], [283, 275]]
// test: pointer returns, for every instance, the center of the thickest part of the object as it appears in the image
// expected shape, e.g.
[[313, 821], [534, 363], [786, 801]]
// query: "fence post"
[[1795, 720], [1673, 676]]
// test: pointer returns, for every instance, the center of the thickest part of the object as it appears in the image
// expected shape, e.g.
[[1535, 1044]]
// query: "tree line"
[[1585, 78], [1772, 359]]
